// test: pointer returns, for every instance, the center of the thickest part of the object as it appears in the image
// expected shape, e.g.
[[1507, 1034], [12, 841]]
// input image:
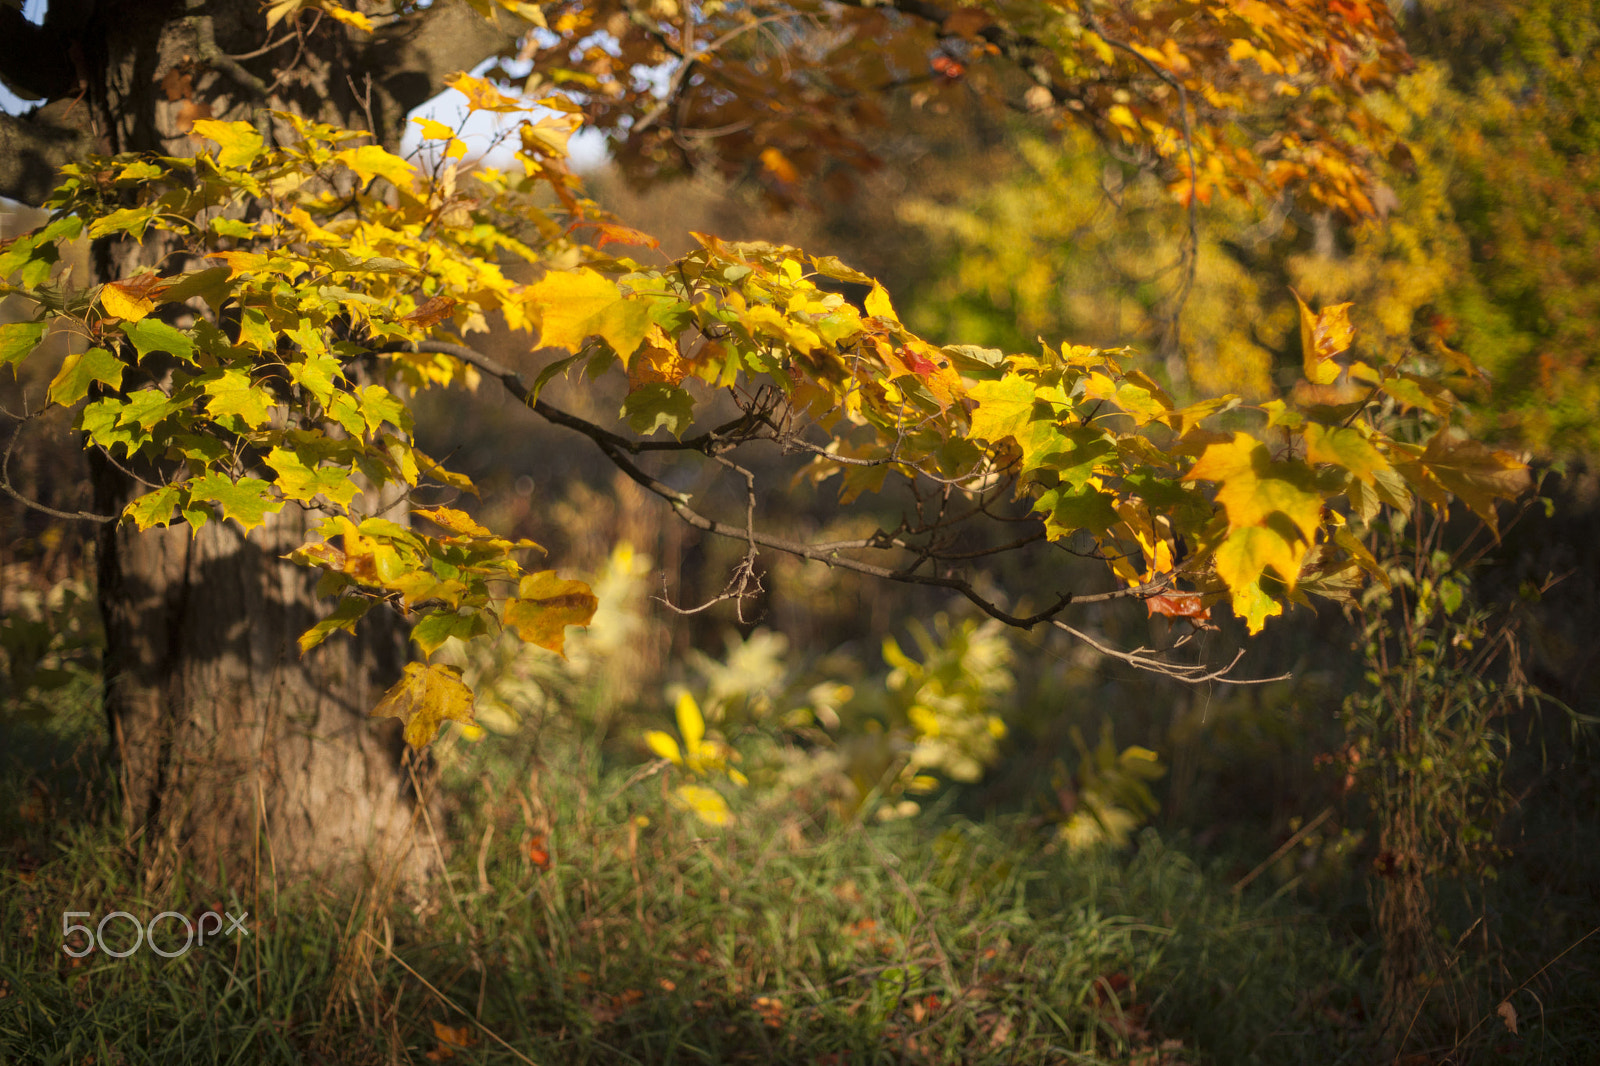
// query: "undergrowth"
[[586, 919]]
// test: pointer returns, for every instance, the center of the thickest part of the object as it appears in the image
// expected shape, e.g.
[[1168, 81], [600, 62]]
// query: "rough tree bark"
[[221, 731]]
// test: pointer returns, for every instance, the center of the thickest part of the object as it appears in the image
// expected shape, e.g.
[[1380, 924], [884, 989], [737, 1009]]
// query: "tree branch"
[[1146, 659], [34, 147], [411, 58], [7, 488], [34, 60], [620, 451], [1019, 49]]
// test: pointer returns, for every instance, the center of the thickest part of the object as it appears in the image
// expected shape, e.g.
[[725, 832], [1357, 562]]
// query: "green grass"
[[647, 937], [775, 940]]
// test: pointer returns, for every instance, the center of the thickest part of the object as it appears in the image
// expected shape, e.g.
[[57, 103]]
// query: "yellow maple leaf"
[[482, 95], [424, 698], [350, 18], [370, 161], [1323, 335], [657, 362], [1252, 487], [239, 143], [577, 304], [877, 304], [1241, 560], [126, 300], [545, 605]]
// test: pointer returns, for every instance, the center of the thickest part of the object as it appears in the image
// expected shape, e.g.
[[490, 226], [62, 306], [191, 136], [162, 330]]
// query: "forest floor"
[[586, 919]]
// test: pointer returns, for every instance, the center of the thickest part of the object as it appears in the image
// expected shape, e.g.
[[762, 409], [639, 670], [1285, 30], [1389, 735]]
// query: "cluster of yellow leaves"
[[1271, 523], [701, 757], [336, 258], [259, 371]]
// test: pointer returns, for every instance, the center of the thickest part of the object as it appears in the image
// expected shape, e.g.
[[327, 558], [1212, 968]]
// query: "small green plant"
[[866, 741], [1109, 797], [1427, 746], [50, 638]]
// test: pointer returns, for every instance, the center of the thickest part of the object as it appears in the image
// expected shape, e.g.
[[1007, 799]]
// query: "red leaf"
[[431, 313], [538, 852], [1178, 605], [608, 232]]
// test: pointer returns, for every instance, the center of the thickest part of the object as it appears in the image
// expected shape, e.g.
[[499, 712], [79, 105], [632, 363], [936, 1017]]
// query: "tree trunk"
[[232, 749]]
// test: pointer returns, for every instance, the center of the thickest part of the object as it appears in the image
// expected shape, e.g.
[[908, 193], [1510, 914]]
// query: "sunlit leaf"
[[706, 803], [345, 616], [371, 161], [545, 605], [663, 745], [78, 372], [19, 339], [427, 696], [239, 143], [247, 501]]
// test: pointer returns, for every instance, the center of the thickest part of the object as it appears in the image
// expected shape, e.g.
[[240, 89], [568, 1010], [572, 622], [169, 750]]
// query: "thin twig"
[[447, 1000], [6, 487], [1141, 659], [1266, 864]]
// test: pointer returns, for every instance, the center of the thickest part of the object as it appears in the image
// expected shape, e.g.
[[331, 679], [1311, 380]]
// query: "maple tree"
[[273, 282]]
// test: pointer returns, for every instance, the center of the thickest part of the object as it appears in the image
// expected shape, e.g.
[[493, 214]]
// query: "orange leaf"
[[434, 311], [1178, 605], [778, 165], [611, 231], [133, 298], [457, 1036]]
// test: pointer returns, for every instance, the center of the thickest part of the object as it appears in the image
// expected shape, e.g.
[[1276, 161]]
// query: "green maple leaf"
[[247, 501], [437, 627], [1067, 512], [146, 407], [316, 374], [154, 508], [379, 405], [19, 339], [345, 616], [302, 480], [656, 405], [78, 372], [153, 335], [234, 395], [101, 422]]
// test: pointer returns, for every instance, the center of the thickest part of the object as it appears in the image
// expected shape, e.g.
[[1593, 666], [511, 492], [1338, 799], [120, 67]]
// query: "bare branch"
[[620, 451], [1146, 659], [34, 147], [7, 488], [35, 61]]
